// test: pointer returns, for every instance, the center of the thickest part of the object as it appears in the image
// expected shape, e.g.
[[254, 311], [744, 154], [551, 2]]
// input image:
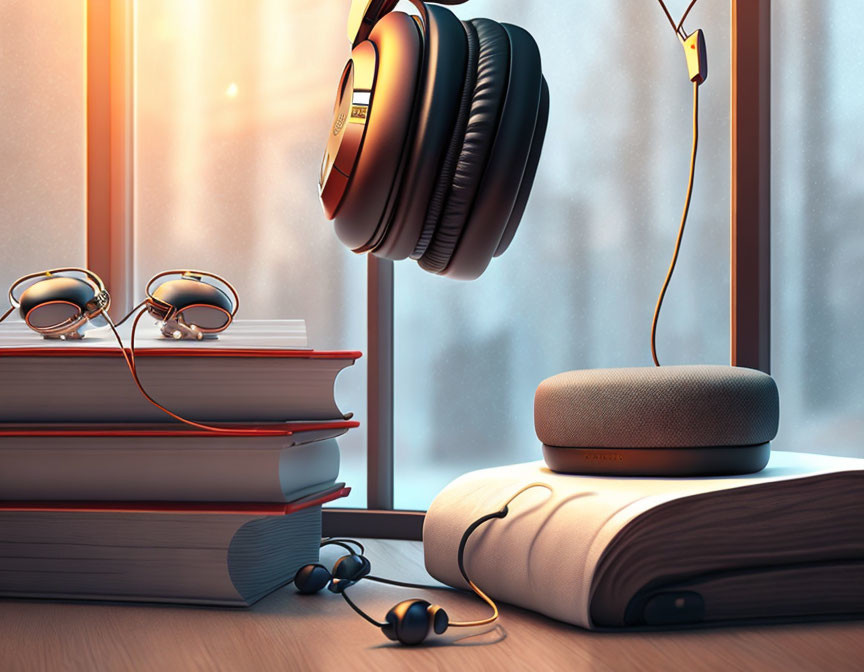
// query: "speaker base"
[[698, 461]]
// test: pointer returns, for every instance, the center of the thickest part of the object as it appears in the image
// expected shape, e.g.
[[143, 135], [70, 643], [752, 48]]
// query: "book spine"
[[142, 469], [207, 389]]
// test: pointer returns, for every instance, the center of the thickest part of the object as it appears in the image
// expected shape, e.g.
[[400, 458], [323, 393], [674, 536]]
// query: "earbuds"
[[190, 307], [63, 302], [347, 571], [411, 621], [60, 303]]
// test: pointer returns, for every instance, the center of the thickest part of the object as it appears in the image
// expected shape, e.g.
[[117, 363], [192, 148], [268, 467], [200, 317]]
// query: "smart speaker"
[[657, 421]]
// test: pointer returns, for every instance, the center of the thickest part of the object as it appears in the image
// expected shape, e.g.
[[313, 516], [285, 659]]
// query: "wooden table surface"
[[286, 631]]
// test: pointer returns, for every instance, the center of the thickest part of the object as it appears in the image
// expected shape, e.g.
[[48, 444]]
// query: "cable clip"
[[696, 55]]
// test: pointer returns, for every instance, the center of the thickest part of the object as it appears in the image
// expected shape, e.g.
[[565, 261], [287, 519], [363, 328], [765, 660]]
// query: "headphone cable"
[[671, 270], [679, 28], [129, 314], [7, 313], [133, 369], [501, 513]]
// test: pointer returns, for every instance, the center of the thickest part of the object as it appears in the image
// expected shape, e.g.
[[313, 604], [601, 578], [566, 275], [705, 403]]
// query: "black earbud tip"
[[348, 570], [408, 622], [352, 567], [311, 578], [440, 619]]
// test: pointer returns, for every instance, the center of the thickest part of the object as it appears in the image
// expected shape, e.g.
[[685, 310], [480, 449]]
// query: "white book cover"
[[591, 544]]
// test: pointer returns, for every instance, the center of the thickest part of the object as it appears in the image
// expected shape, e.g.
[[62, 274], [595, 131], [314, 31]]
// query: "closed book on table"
[[604, 552], [217, 554], [167, 463], [256, 371]]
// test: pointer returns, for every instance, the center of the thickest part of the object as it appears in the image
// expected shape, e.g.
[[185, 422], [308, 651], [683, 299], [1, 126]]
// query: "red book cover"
[[217, 508], [168, 429], [114, 351]]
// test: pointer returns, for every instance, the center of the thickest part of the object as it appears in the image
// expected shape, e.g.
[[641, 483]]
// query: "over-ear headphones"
[[437, 130], [59, 303], [192, 305], [411, 621]]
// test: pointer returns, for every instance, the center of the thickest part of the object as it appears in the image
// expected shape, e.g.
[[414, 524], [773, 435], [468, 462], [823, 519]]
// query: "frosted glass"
[[578, 286], [42, 136], [817, 225], [232, 106]]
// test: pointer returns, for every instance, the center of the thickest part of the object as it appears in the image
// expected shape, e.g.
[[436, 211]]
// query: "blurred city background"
[[233, 101]]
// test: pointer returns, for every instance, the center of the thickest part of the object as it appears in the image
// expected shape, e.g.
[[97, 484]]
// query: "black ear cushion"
[[451, 157], [493, 67], [508, 157], [443, 77], [530, 172]]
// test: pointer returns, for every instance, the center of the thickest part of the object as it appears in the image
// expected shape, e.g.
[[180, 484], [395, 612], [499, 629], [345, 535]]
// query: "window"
[[578, 286], [230, 101], [42, 136], [816, 226]]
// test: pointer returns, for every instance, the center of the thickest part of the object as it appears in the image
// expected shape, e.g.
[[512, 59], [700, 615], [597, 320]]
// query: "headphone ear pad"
[[310, 579], [530, 171], [438, 106], [487, 99], [509, 153], [408, 622]]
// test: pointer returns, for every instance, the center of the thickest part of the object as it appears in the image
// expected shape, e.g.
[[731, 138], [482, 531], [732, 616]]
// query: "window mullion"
[[110, 148]]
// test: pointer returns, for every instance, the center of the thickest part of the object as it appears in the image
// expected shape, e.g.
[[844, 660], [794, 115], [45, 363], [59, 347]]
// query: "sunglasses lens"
[[205, 318], [52, 314]]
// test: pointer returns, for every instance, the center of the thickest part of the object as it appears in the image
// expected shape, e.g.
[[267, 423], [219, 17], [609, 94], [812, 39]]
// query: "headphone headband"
[[195, 275], [364, 14], [94, 280]]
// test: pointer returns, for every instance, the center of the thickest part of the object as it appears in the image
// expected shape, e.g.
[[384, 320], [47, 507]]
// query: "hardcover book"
[[209, 553], [167, 463], [605, 552], [257, 371]]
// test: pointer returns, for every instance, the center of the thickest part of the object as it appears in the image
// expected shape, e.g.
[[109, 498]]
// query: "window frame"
[[110, 228]]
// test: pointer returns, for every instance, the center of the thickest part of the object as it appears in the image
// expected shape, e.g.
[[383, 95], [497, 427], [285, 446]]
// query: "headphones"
[[437, 130], [190, 307], [411, 621], [60, 303]]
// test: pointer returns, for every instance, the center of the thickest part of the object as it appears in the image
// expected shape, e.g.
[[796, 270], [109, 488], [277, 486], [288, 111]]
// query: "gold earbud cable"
[[133, 369], [501, 513], [130, 313], [680, 227], [682, 35]]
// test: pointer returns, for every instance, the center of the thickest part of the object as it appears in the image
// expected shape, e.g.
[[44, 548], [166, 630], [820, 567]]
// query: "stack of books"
[[103, 497]]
